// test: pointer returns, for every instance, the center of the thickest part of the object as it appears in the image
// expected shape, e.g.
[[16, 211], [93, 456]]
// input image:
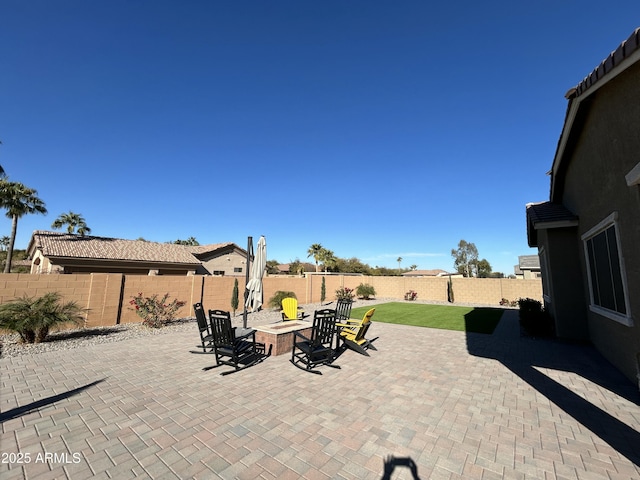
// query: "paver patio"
[[457, 405]]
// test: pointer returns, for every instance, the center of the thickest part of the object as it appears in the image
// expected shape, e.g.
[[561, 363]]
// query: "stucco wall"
[[595, 187]]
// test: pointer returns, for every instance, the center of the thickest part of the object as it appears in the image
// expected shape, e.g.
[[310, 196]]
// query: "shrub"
[[450, 298], [234, 296], [323, 290], [344, 293], [534, 318], [154, 311], [32, 317], [411, 295], [276, 300], [365, 291]]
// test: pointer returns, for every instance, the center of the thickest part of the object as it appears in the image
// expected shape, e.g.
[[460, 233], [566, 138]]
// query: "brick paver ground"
[[443, 404]]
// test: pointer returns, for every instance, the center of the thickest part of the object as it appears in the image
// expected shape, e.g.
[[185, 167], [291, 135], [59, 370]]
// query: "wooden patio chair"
[[204, 329], [343, 310], [352, 333], [308, 353], [239, 352], [290, 310]]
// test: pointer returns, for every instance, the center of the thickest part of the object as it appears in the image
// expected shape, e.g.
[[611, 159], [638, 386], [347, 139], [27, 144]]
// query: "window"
[[218, 272], [237, 269], [605, 269]]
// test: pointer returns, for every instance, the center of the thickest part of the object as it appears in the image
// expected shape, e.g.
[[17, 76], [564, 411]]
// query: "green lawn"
[[464, 319]]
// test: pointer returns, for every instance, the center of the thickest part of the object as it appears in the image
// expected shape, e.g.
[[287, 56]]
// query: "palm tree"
[[315, 251], [18, 200], [328, 259], [399, 260], [74, 223]]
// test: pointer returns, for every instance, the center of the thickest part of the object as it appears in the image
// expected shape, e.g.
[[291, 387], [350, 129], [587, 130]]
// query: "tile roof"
[[529, 262], [57, 244], [212, 247], [549, 212], [615, 58], [547, 215], [425, 273]]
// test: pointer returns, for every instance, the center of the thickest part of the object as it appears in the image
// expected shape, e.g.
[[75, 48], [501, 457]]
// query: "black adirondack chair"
[[240, 351], [204, 329], [309, 353]]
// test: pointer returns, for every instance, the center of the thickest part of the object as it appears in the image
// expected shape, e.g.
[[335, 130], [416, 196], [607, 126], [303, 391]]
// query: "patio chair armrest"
[[244, 333], [298, 334]]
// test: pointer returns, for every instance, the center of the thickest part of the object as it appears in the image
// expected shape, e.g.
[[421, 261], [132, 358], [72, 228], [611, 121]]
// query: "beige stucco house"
[[588, 233], [56, 252]]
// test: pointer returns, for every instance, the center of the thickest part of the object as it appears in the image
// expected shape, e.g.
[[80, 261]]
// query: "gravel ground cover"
[[10, 345]]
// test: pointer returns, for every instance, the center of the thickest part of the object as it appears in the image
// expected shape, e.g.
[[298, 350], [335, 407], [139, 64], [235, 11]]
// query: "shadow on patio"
[[529, 357]]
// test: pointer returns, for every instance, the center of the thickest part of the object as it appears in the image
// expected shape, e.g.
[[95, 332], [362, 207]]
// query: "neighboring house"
[[430, 273], [221, 259], [588, 233], [56, 252], [528, 267]]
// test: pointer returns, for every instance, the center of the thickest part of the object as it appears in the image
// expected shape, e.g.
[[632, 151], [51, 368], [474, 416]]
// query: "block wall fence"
[[107, 295]]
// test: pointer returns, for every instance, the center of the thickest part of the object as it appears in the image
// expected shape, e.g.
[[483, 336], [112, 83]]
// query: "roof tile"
[[57, 244]]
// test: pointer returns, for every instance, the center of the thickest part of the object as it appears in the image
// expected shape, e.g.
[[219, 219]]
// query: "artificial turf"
[[448, 317]]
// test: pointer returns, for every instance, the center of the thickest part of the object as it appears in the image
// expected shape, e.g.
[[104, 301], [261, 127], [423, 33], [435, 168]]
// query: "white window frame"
[[608, 222]]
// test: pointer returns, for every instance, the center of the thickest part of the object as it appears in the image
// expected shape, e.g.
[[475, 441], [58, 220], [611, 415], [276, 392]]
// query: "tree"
[[315, 251], [483, 268], [465, 258], [272, 267], [328, 259], [399, 260], [234, 297], [73, 221], [413, 267], [4, 243], [18, 200], [191, 241]]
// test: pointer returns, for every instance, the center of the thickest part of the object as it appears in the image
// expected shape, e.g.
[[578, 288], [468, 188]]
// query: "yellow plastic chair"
[[353, 333], [290, 309]]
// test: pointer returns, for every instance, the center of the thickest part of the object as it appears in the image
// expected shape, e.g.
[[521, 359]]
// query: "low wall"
[[107, 295]]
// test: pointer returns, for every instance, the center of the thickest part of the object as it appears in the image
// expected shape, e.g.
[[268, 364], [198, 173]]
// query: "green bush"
[[276, 300], [32, 318], [366, 291], [534, 318], [154, 311], [234, 297]]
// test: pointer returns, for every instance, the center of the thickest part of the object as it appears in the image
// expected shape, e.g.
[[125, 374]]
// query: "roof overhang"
[[547, 215], [627, 54]]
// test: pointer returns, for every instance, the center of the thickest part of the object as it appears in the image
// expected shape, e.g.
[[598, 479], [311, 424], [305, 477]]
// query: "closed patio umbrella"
[[253, 295]]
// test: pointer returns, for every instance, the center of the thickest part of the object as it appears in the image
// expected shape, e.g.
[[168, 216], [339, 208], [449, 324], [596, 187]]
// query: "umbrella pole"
[[246, 281]]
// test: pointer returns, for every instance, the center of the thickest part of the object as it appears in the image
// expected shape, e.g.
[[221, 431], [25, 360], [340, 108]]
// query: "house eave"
[[579, 97]]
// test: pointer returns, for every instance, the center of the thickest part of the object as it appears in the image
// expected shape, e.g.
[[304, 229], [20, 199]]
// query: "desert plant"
[[154, 311], [234, 297], [323, 290], [276, 300], [344, 293], [366, 291], [32, 318]]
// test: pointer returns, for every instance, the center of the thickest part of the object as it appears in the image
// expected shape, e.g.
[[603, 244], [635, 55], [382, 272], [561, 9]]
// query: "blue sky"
[[377, 129]]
